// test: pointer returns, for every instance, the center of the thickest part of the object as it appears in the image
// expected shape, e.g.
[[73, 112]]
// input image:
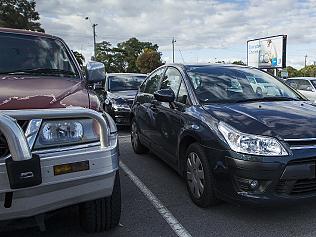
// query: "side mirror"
[[95, 72], [165, 95]]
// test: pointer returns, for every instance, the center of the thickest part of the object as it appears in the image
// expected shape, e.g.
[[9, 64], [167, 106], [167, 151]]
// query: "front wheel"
[[138, 147], [199, 180], [104, 213]]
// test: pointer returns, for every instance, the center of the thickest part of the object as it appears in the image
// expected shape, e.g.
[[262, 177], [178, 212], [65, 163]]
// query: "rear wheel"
[[138, 147], [104, 213], [199, 180]]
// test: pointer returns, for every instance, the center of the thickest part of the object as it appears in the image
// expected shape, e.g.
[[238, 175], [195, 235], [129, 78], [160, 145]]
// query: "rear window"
[[125, 82]]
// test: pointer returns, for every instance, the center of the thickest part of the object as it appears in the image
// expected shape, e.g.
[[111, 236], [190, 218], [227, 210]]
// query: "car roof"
[[125, 74], [25, 32], [305, 78], [210, 65]]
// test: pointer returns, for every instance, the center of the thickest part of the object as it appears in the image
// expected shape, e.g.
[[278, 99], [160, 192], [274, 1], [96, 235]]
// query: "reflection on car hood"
[[27, 92], [283, 119], [125, 95]]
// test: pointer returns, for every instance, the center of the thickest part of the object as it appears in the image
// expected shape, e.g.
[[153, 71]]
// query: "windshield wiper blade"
[[49, 71], [276, 98]]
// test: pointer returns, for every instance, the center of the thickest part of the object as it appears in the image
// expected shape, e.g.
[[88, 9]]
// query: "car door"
[[145, 114], [307, 89], [169, 116]]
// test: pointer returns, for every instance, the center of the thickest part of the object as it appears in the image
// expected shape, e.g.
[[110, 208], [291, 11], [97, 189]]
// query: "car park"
[[58, 148], [119, 94], [305, 85], [228, 144]]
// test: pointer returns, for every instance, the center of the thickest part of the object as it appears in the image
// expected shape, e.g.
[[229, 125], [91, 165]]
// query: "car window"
[[152, 83], [36, 55], [182, 94], [304, 85], [229, 84], [172, 80], [124, 82], [292, 83]]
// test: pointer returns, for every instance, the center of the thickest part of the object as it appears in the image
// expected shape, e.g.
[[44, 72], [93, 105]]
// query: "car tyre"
[[104, 213], [198, 176], [138, 147]]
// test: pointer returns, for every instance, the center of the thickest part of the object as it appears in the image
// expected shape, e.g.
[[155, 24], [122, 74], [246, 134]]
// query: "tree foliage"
[[123, 57], [19, 14], [148, 61], [239, 63], [80, 58], [308, 71]]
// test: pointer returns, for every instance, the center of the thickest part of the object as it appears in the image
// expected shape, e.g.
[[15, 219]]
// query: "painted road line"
[[163, 211]]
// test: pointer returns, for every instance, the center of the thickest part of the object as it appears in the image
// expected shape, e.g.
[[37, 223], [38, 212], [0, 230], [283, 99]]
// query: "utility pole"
[[94, 41], [305, 59], [94, 36], [173, 41]]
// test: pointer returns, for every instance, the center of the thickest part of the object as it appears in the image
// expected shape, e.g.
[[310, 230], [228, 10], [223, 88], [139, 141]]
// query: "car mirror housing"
[[95, 72], [165, 95]]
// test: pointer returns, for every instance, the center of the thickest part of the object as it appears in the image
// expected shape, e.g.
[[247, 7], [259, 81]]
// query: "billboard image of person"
[[267, 52]]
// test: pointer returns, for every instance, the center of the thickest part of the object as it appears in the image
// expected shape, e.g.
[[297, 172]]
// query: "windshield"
[[22, 54], [314, 83], [233, 84], [125, 82]]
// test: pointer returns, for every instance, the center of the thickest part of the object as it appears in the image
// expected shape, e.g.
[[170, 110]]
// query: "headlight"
[[120, 104], [66, 132], [251, 144]]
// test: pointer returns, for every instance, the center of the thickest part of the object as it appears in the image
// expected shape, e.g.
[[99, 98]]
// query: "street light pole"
[[94, 36], [305, 59], [173, 41]]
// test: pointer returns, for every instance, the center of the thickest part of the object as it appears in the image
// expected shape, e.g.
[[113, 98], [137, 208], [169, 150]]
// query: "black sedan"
[[119, 94], [229, 142]]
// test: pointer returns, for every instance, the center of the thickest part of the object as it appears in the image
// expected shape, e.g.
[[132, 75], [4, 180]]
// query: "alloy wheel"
[[134, 134], [195, 175]]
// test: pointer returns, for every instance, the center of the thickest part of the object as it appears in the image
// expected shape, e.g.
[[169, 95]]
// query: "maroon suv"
[[56, 147]]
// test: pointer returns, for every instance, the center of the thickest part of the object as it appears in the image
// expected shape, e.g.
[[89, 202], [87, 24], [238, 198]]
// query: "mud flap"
[[25, 173]]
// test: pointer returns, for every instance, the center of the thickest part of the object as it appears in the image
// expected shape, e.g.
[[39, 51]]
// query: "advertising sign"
[[269, 52]]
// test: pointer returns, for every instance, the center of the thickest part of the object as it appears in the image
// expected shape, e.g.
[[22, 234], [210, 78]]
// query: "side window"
[[172, 80], [183, 94], [152, 83], [292, 83], [304, 85]]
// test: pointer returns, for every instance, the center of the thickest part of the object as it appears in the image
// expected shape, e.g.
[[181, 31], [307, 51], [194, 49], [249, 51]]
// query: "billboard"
[[269, 52]]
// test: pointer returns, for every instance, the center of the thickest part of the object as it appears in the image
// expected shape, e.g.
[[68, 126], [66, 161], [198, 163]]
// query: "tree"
[[112, 57], [308, 71], [292, 71], [133, 48], [19, 14], [80, 58], [239, 63], [148, 61]]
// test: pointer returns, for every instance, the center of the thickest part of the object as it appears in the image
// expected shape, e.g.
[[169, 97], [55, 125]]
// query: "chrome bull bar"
[[16, 139]]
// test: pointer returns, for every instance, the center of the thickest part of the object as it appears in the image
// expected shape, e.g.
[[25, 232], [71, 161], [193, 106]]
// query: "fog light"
[[253, 184]]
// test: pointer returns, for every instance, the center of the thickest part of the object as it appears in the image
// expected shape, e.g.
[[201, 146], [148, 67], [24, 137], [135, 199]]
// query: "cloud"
[[196, 24]]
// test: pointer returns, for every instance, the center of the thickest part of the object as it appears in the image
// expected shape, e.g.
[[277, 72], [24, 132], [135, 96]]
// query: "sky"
[[205, 30]]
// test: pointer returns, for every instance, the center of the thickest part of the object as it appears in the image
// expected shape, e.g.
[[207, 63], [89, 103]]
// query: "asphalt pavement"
[[157, 204]]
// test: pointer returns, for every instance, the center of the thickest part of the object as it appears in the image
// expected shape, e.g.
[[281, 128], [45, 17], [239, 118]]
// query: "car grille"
[[300, 186], [302, 143], [4, 149]]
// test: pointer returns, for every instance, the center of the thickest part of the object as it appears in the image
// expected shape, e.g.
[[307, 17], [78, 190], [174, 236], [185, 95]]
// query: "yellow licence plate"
[[71, 167]]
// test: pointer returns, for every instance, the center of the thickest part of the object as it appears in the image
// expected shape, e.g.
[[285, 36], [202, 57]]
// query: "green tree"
[[19, 14], [239, 63], [80, 58], [308, 71], [148, 61], [293, 72], [133, 48], [112, 57]]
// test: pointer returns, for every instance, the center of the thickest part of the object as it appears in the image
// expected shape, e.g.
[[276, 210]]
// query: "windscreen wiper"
[[48, 71], [272, 98]]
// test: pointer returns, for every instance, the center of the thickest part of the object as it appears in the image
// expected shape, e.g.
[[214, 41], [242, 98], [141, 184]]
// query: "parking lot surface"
[[141, 218]]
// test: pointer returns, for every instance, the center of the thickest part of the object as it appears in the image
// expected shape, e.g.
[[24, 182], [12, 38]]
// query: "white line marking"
[[163, 211]]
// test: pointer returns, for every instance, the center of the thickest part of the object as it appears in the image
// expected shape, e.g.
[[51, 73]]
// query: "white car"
[[305, 85], [262, 87]]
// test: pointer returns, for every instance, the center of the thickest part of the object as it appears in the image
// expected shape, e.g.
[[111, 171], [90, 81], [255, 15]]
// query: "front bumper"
[[57, 190], [261, 181]]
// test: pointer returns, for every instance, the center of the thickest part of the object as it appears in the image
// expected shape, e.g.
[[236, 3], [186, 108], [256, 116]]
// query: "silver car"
[[305, 85]]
